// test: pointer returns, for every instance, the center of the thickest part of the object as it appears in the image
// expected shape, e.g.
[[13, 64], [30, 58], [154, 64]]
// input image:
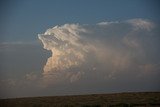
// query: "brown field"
[[134, 99]]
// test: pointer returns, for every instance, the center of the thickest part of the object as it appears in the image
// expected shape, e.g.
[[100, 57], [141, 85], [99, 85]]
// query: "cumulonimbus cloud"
[[106, 47], [68, 49]]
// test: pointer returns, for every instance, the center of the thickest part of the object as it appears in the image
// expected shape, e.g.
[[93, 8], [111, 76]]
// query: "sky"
[[66, 47]]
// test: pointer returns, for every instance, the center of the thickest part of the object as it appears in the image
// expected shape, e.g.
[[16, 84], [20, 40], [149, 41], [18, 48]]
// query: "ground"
[[134, 99]]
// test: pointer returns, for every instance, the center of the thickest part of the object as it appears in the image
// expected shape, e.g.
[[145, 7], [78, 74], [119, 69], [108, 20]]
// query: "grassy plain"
[[133, 99]]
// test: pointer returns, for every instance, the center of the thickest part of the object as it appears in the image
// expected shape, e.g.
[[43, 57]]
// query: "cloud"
[[19, 43], [68, 49], [108, 48], [31, 76], [104, 57], [141, 24], [107, 23], [10, 45]]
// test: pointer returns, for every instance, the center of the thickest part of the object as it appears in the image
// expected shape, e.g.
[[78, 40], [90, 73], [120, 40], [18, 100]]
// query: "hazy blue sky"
[[22, 20], [98, 46]]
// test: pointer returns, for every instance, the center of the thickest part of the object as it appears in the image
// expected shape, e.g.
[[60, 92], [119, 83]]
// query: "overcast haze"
[[71, 47]]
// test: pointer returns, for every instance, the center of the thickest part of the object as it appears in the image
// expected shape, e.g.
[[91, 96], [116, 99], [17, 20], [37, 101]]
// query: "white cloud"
[[90, 57], [141, 24], [107, 23], [67, 46], [83, 50]]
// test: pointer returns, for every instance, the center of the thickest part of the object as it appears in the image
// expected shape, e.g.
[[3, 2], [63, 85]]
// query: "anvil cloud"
[[103, 50], [116, 56]]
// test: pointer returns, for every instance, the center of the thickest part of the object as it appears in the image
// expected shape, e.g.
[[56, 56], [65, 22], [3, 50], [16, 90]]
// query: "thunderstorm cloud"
[[115, 56], [104, 51]]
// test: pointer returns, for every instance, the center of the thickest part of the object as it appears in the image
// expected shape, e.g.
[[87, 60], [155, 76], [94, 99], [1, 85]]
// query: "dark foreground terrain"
[[141, 99]]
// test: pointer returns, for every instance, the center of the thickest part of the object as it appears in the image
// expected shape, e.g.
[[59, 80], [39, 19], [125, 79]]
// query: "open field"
[[134, 99]]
